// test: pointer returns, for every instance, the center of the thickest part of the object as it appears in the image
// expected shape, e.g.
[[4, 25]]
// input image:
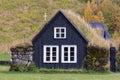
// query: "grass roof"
[[90, 33]]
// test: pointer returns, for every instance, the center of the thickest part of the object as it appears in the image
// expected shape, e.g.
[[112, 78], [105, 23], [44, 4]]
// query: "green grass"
[[5, 57], [5, 75]]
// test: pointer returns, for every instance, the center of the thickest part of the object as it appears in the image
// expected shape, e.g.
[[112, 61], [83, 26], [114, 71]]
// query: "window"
[[59, 32], [50, 54], [69, 54]]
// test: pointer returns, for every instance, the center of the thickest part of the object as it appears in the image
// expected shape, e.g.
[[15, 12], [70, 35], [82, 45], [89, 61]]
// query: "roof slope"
[[105, 34], [86, 30]]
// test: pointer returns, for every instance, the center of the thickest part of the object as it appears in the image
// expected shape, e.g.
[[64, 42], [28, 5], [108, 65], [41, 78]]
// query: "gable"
[[52, 21]]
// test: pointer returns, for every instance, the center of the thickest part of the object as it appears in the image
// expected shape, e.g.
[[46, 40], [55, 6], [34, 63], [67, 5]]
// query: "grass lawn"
[[5, 75], [5, 57]]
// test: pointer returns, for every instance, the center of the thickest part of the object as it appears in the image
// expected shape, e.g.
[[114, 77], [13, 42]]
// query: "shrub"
[[13, 67], [32, 67], [96, 59], [21, 68]]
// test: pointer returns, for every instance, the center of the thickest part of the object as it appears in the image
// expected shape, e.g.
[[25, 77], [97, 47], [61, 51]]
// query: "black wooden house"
[[59, 44]]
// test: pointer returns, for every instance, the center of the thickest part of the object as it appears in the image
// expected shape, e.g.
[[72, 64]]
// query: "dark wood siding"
[[47, 38]]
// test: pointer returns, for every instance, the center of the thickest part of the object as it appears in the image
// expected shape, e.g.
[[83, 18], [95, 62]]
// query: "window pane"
[[57, 35], [71, 58], [66, 54], [62, 30], [65, 58], [47, 49], [53, 58], [54, 49], [62, 35], [65, 49], [71, 53], [57, 30], [54, 54], [47, 53], [47, 58], [72, 49]]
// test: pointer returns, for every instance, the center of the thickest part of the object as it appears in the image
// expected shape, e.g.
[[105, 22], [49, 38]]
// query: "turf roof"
[[86, 30]]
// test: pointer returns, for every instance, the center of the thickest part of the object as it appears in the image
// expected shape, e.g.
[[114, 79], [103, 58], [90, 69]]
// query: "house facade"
[[59, 44]]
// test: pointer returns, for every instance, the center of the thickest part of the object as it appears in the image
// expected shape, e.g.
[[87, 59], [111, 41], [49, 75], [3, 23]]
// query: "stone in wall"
[[22, 55]]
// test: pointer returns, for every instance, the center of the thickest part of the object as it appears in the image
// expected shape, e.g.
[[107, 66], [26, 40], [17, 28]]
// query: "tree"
[[88, 12], [94, 6], [112, 15], [116, 1], [100, 16], [115, 22], [92, 12]]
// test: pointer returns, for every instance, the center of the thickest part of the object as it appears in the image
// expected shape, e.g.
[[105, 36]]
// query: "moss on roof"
[[86, 30]]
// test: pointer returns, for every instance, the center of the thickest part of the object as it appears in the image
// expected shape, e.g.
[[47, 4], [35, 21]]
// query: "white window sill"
[[50, 62], [69, 62], [59, 38]]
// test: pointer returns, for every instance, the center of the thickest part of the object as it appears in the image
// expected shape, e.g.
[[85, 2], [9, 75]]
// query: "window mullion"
[[60, 32], [68, 54], [50, 54]]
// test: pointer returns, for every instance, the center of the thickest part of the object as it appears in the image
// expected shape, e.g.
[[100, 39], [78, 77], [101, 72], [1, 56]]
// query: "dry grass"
[[90, 33], [5, 48]]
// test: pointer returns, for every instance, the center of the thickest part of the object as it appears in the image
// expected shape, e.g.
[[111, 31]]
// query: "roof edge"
[[74, 27]]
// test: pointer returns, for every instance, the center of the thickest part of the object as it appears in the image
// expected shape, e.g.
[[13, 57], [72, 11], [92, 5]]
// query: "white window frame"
[[44, 54], [75, 54], [55, 32]]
